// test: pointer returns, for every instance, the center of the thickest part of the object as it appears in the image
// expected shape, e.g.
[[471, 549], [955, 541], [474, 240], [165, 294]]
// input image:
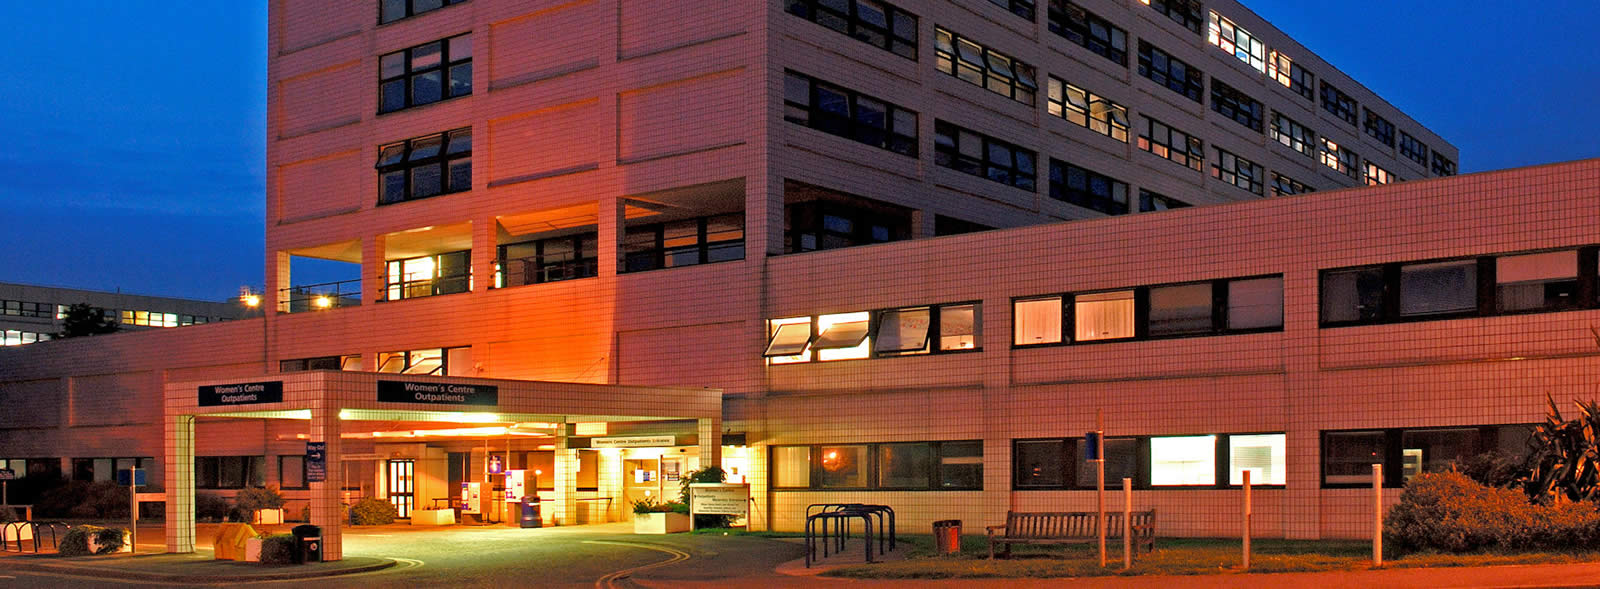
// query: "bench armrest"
[[991, 529]]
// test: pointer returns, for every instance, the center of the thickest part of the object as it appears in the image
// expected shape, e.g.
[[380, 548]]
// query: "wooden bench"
[[1075, 527]]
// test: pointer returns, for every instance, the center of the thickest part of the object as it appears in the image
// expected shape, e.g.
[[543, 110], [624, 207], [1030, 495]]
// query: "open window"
[[903, 331], [842, 336], [790, 340]]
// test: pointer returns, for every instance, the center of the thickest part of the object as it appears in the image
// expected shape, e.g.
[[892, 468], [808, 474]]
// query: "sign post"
[[719, 499], [133, 478], [6, 475], [1127, 523], [1377, 515], [1246, 532], [1098, 442]]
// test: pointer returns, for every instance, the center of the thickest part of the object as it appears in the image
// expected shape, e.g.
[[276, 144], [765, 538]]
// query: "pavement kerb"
[[104, 572]]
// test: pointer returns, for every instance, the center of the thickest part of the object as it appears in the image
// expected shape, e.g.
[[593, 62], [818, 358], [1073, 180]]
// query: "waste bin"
[[947, 536], [307, 543], [530, 513]]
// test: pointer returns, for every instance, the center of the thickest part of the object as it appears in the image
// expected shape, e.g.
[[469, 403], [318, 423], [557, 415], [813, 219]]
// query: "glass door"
[[401, 490]]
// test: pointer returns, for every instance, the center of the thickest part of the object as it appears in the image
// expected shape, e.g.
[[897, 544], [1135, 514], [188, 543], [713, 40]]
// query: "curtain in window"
[[1106, 315], [1038, 321], [1444, 287]]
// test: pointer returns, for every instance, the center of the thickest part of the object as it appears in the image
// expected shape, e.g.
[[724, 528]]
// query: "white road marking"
[[610, 581]]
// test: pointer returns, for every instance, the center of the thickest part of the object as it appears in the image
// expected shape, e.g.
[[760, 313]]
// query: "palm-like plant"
[[1565, 461]]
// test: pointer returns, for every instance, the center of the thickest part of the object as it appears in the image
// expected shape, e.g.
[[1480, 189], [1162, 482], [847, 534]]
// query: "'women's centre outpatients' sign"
[[437, 393], [244, 393]]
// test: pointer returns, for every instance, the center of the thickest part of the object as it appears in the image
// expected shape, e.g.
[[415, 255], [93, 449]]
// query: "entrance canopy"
[[336, 403]]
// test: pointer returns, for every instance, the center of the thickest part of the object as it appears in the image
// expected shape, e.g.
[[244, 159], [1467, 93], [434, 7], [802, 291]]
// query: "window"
[[1438, 288], [350, 363], [431, 361], [849, 114], [974, 153], [1087, 189], [1084, 28], [903, 466], [1122, 461], [1240, 305], [1255, 303], [831, 224], [790, 340], [1338, 103], [426, 276], [292, 472], [1413, 149], [842, 336], [1264, 455], [425, 166], [1022, 8], [943, 226], [1087, 109], [1338, 157], [1171, 72], [1039, 464], [149, 318], [1236, 105], [1184, 12], [551, 259], [393, 10], [1348, 456], [1037, 321], [1183, 461], [1181, 309], [1443, 166], [1103, 316], [105, 469], [1376, 176], [27, 309], [1536, 282], [1231, 39], [1056, 464], [1293, 135], [13, 337], [687, 242], [927, 329], [1215, 461], [425, 74], [1177, 146], [966, 59], [1354, 295], [1285, 71], [1379, 128], [877, 23], [229, 472], [1237, 171], [1150, 201], [1285, 186]]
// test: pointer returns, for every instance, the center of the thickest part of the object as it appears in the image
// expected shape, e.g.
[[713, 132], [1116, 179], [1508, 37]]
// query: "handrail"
[[300, 298]]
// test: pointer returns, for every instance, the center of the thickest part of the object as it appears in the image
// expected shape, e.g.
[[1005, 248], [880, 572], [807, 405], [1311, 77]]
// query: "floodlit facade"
[[792, 206]]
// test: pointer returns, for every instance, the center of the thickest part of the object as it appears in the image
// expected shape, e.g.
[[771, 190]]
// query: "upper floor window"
[[1087, 189], [1231, 39], [349, 363], [1096, 34], [149, 318], [849, 114], [1290, 74], [1338, 103], [687, 242], [905, 331], [426, 276], [1087, 109], [1443, 166], [1236, 105], [1151, 202], [425, 166], [1170, 72], [971, 152], [830, 224], [1413, 149], [1285, 186], [871, 21], [393, 10], [1379, 128], [27, 309], [1237, 171], [431, 361], [1177, 146], [965, 59], [1022, 8], [1187, 13], [551, 259], [1293, 135], [1200, 308], [425, 74], [1487, 285], [1376, 176], [1338, 157]]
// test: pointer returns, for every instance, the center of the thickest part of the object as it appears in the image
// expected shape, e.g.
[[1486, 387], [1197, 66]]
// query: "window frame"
[[1374, 175], [445, 160], [1442, 166], [873, 476], [1194, 154], [875, 317], [1011, 84], [438, 283], [1059, 103], [1237, 106], [1189, 14], [408, 75], [1251, 173], [1226, 35], [1078, 25], [1486, 289], [1022, 8], [1192, 86], [1147, 200], [1377, 127], [703, 246], [1413, 149], [584, 263], [1339, 104], [411, 11], [892, 39], [1340, 159], [890, 138], [216, 464], [1141, 332], [1060, 189], [951, 157], [1290, 74], [1280, 181], [1286, 132], [1393, 459], [1071, 450]]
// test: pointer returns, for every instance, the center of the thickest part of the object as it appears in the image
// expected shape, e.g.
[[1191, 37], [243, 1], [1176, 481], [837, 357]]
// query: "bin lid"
[[943, 523], [305, 530]]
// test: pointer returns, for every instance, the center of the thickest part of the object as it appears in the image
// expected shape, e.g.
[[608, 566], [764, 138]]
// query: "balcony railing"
[[426, 287], [319, 297], [520, 271]]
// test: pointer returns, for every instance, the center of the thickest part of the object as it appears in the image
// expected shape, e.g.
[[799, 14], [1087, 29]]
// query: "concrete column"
[[922, 224], [278, 279], [485, 251], [564, 510], [326, 510], [613, 221], [179, 482], [710, 442], [373, 268], [609, 481]]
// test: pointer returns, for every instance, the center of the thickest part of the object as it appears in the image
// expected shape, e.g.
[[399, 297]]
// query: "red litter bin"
[[947, 536]]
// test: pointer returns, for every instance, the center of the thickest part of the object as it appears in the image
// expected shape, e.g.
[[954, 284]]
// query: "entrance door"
[[402, 493]]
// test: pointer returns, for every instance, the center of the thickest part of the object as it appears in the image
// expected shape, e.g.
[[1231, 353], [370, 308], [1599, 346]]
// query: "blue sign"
[[1091, 446], [496, 465], [130, 477], [316, 462]]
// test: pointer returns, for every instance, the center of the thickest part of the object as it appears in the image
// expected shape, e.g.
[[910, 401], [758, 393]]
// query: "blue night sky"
[[135, 132]]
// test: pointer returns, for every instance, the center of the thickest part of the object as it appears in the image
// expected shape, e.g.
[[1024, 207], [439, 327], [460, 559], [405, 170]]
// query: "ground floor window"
[[105, 469], [35, 467], [1348, 456], [229, 472], [1151, 461], [292, 471], [905, 466]]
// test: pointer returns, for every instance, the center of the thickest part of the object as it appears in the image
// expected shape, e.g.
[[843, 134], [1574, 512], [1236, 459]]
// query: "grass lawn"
[[1172, 556]]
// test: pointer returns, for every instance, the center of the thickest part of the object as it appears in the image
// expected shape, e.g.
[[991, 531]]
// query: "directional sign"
[[7, 474], [131, 477], [316, 462]]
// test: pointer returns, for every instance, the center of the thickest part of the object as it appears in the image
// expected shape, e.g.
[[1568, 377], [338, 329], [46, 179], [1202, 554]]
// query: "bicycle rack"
[[876, 520], [14, 530]]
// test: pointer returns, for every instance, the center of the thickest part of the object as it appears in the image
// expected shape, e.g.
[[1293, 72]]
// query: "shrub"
[[1451, 513], [76, 541], [255, 498], [210, 507], [277, 549], [709, 474], [650, 505], [82, 499], [8, 515], [372, 512]]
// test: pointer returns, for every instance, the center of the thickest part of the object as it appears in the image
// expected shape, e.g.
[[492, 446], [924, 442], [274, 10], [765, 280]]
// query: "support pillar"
[[485, 252], [179, 481], [564, 510], [326, 510], [710, 442], [612, 225], [609, 481], [373, 268], [922, 224]]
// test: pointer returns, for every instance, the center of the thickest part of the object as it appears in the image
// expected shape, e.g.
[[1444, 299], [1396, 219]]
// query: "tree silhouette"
[[81, 319]]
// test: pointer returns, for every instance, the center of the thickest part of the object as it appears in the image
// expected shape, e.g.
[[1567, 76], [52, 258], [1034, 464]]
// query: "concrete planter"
[[252, 550], [267, 517], [660, 523]]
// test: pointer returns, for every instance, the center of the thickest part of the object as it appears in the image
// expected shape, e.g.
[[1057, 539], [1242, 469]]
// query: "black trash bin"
[[530, 513], [947, 536], [307, 543]]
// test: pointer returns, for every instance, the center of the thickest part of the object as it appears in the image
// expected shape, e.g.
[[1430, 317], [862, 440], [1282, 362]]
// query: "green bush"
[[650, 505], [85, 500], [709, 474], [1449, 512], [76, 541], [255, 498], [210, 507], [372, 512], [277, 549]]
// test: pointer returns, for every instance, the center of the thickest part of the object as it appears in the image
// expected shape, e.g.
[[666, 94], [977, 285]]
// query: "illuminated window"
[[791, 467], [1187, 13], [27, 309], [425, 74], [1103, 316], [1087, 109], [960, 327], [1002, 74], [1376, 176], [1413, 149], [1262, 454], [842, 467], [974, 153], [870, 21], [1285, 186], [1088, 30], [426, 276], [1170, 72], [1036, 321], [393, 10], [1288, 73], [903, 331], [1230, 38], [13, 337], [1172, 144], [842, 336], [903, 466], [1022, 8], [1338, 157], [686, 242], [849, 114], [925, 329], [1150, 202], [790, 340], [1338, 103], [1528, 282], [1379, 128], [1236, 105], [1087, 189], [1293, 135], [1238, 171], [1186, 460], [1443, 166], [425, 166]]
